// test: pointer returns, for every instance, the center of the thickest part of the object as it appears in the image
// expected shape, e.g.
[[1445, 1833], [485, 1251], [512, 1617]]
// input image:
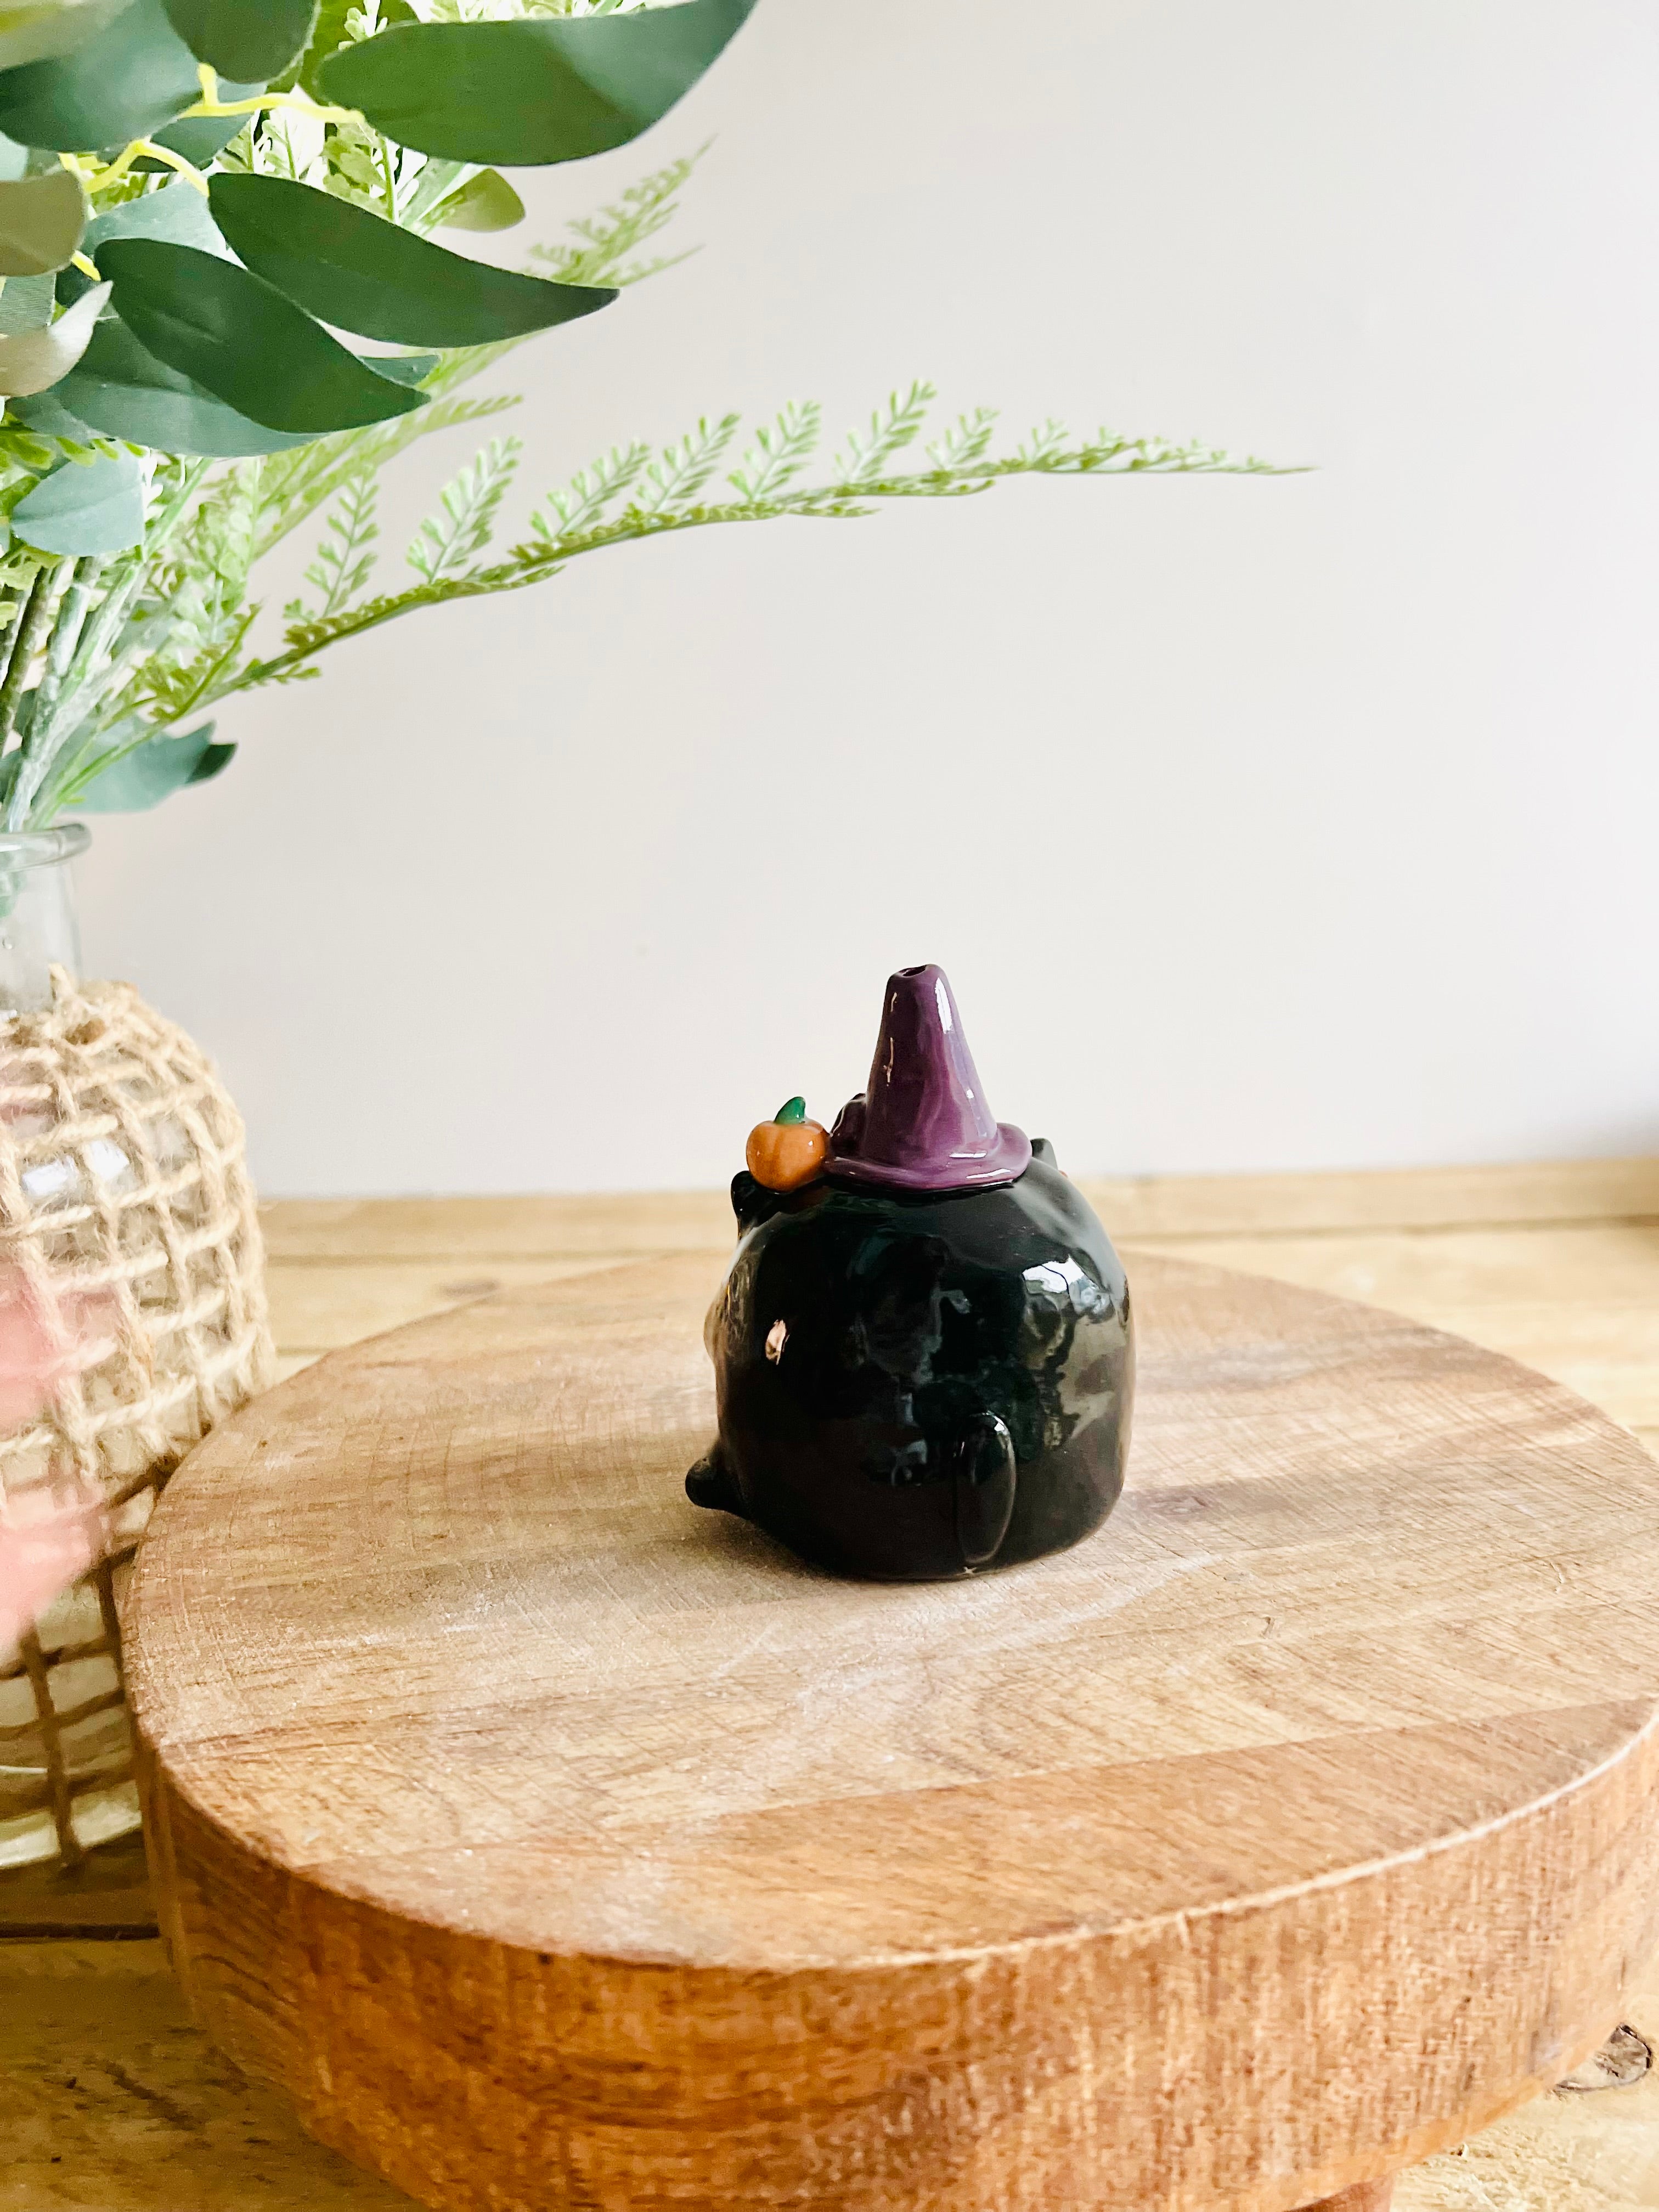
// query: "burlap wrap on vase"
[[125, 1202]]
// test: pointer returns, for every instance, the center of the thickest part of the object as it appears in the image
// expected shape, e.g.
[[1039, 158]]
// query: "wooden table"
[[1559, 1266]]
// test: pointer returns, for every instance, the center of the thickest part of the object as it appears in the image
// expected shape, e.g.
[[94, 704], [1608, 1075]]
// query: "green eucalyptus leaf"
[[150, 772], [177, 212], [402, 367], [45, 413], [123, 84], [555, 88], [35, 359], [41, 220], [41, 30], [13, 160], [122, 390], [243, 38], [238, 338], [486, 202], [214, 757], [94, 506], [199, 137], [26, 304], [355, 271]]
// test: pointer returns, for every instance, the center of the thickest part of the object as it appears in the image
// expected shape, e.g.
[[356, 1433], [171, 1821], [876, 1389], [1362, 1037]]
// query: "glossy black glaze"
[[917, 1386]]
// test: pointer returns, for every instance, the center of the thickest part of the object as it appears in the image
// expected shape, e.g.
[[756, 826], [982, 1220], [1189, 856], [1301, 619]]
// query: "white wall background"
[[1258, 823]]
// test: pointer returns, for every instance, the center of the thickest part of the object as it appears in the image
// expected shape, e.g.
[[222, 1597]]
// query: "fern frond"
[[430, 189], [890, 433], [609, 237], [306, 637], [780, 451], [294, 484], [967, 441], [168, 694], [1108, 451], [343, 560], [963, 467], [580, 505], [1041, 446], [189, 614], [468, 503], [680, 472]]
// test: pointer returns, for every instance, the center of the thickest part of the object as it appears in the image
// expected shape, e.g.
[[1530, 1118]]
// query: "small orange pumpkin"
[[788, 1151]]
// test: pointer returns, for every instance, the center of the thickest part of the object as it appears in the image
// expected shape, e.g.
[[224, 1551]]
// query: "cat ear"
[[752, 1203]]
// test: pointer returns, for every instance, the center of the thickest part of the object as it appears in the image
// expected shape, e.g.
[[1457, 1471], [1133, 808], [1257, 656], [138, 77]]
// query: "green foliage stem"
[[845, 497], [26, 639], [66, 629]]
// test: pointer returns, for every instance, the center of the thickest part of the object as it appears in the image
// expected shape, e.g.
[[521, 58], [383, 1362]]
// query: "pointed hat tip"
[[924, 1123]]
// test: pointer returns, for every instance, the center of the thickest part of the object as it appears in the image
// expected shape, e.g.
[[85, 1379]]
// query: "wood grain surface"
[[548, 1842], [117, 2102]]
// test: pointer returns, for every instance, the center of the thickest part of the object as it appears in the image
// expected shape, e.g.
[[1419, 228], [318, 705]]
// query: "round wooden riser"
[[555, 1844]]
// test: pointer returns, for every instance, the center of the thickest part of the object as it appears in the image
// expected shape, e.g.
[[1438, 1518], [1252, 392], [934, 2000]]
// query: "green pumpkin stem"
[[793, 1109]]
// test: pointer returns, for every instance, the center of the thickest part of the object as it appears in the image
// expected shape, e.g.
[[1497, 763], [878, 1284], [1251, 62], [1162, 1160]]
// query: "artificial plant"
[[223, 310]]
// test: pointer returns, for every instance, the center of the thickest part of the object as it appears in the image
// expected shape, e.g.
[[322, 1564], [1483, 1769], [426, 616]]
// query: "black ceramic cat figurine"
[[923, 1353]]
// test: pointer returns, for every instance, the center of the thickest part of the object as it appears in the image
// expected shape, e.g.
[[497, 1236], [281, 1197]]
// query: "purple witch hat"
[[923, 1124]]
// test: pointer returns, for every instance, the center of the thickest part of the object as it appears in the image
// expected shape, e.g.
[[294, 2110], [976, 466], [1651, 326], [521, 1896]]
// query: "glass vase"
[[39, 928], [127, 1215]]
